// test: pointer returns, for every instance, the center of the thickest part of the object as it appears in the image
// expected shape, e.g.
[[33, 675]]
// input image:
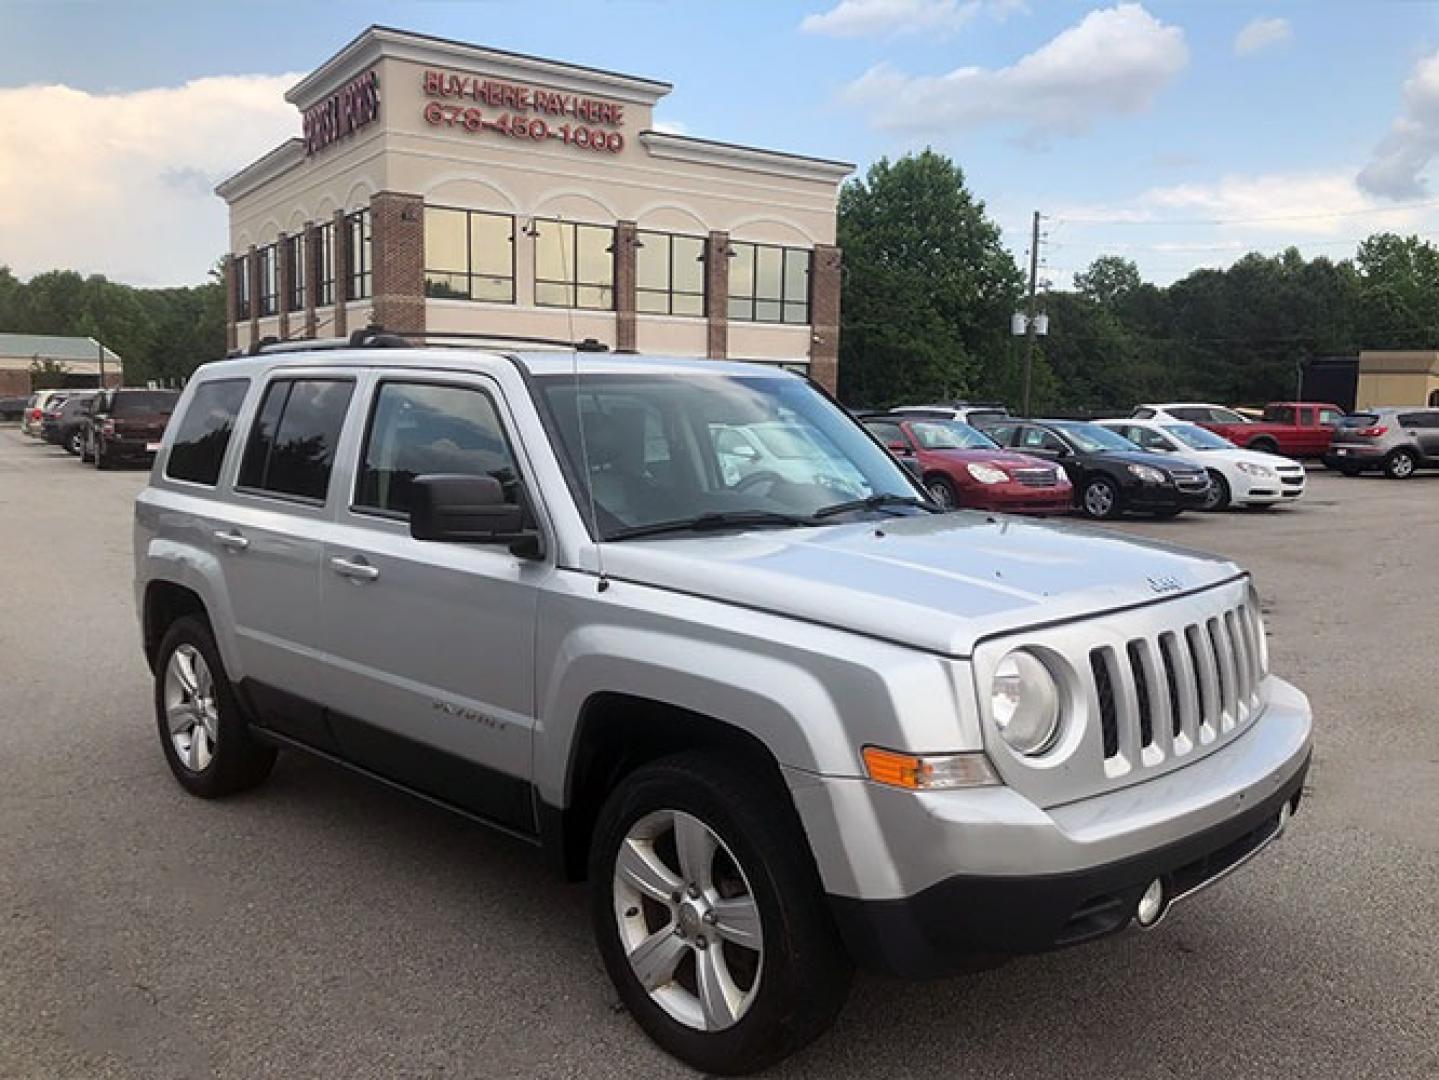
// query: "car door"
[[1043, 443], [1423, 429], [431, 645], [267, 537]]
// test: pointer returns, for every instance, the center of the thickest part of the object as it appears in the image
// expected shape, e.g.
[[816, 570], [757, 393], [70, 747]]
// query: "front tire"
[[74, 444], [1099, 499], [710, 917], [1264, 445], [205, 736], [101, 461], [941, 490], [1219, 496], [1400, 465]]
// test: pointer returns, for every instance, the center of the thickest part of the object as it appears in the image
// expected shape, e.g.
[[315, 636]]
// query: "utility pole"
[[1030, 313], [99, 295]]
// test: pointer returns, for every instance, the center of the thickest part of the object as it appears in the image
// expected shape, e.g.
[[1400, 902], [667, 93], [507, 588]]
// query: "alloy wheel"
[[1401, 466], [688, 920], [1099, 500], [940, 493], [191, 711]]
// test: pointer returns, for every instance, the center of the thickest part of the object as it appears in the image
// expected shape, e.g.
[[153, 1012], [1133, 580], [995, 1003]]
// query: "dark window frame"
[[268, 260], [469, 273], [289, 379], [295, 254], [572, 266], [241, 264], [753, 299], [325, 264], [670, 292], [242, 381], [360, 244]]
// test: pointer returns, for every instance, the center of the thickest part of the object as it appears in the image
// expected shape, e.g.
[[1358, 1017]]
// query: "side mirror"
[[902, 449], [463, 509]]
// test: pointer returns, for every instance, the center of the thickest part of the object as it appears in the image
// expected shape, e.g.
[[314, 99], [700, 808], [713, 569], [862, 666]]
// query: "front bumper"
[[1163, 497], [921, 884], [1016, 498], [1354, 457]]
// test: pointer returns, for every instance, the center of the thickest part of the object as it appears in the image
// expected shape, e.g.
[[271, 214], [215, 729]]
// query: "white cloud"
[[1113, 62], [120, 183], [1394, 172], [1262, 34], [889, 18]]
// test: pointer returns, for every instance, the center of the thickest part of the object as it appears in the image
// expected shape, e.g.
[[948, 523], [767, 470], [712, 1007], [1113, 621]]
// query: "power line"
[[1396, 208]]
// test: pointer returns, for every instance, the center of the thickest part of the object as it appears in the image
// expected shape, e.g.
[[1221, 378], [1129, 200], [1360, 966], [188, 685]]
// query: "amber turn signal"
[[929, 772]]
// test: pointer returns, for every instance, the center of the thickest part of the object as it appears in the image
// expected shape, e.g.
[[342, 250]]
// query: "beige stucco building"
[[449, 187], [1389, 377]]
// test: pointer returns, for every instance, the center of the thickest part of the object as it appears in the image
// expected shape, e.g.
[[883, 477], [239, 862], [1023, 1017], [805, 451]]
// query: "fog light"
[[1151, 904]]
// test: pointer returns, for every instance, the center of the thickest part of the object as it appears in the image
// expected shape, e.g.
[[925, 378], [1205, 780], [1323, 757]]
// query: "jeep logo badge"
[[1165, 584]]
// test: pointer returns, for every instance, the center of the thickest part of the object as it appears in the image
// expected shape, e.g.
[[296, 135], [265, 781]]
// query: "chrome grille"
[[1164, 695], [1036, 478]]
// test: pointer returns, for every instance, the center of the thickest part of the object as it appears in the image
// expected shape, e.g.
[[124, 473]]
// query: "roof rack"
[[375, 336]]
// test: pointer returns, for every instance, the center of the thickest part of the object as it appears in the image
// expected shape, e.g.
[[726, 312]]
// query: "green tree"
[[1109, 280], [928, 285]]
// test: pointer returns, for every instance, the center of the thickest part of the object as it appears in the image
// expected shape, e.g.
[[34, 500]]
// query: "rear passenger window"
[[420, 430], [292, 443], [1419, 420], [204, 431]]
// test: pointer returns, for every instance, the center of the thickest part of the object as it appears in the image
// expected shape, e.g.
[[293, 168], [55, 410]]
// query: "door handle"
[[355, 571], [231, 539]]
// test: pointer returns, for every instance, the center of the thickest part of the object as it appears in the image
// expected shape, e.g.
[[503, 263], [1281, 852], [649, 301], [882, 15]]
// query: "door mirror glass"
[[456, 508]]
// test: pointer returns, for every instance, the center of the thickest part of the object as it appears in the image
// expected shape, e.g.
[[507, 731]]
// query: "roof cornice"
[[378, 42], [277, 162], [687, 148]]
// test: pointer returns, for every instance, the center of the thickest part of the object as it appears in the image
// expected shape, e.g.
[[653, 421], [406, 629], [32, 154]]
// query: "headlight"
[[987, 474], [1145, 475], [1255, 470], [1024, 701]]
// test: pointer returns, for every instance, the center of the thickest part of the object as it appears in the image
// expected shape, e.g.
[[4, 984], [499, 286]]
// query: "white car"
[[1239, 477]]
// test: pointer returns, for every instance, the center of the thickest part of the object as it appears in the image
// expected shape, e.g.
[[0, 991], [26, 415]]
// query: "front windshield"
[[949, 435], [1198, 438], [658, 449], [1091, 438]]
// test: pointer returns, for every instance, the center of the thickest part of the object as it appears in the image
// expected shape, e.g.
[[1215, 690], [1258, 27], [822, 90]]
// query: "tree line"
[[160, 334], [929, 290]]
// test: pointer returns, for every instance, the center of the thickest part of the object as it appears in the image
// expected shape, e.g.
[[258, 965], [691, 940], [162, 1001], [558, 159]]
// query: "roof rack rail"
[[375, 336]]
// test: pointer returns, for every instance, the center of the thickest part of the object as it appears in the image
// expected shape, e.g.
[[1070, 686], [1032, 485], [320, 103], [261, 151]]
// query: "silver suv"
[[782, 724], [1399, 440]]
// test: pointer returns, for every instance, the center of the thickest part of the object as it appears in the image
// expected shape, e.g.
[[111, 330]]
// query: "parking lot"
[[325, 926]]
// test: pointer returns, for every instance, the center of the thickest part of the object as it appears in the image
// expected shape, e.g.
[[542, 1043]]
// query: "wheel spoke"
[[719, 997], [639, 866], [655, 958], [199, 748], [696, 847], [183, 664], [203, 681], [180, 718], [211, 723], [737, 920]]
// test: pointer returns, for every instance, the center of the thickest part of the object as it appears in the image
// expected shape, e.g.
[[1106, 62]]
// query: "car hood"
[[1238, 456], [1007, 458], [935, 582]]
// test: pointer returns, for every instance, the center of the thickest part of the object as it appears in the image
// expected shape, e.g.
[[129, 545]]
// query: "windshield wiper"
[[874, 502], [732, 519]]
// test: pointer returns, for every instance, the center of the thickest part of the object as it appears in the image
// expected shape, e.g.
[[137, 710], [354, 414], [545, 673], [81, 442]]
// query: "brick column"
[[824, 290], [230, 286], [252, 267], [717, 294], [287, 277], [626, 242], [311, 270], [342, 274], [397, 228]]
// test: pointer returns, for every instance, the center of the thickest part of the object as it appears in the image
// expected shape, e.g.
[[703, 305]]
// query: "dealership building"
[[448, 187]]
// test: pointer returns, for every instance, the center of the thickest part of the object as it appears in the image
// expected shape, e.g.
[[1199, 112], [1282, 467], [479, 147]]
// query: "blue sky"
[[1126, 124]]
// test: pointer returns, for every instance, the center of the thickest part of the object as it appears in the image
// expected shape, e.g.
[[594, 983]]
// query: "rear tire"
[[1219, 495], [1099, 499], [1264, 445], [941, 490], [751, 855], [204, 734], [1400, 465], [74, 444]]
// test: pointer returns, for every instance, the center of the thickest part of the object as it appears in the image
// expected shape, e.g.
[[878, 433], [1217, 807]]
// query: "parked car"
[[779, 728], [13, 408], [1110, 475], [752, 453], [1236, 477], [125, 426], [34, 415], [1296, 429], [972, 413], [62, 422], [960, 466], [1399, 440]]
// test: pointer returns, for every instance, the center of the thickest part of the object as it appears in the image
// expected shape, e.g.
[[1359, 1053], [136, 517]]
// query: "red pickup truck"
[[1296, 429]]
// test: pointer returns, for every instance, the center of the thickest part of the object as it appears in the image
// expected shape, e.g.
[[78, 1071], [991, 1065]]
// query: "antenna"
[[573, 298]]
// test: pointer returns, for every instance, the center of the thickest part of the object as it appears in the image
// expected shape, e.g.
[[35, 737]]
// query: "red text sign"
[[523, 112], [351, 107]]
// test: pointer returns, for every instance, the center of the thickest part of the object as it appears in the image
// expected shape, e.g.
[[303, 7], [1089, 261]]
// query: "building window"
[[241, 264], [769, 284], [357, 236], [670, 274], [295, 256], [325, 260], [469, 255], [574, 265], [269, 280]]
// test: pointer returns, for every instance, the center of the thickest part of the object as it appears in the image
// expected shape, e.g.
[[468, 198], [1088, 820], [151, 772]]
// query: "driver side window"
[[1150, 439], [1039, 439]]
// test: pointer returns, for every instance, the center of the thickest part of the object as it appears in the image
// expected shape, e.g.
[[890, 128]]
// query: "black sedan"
[[1109, 473]]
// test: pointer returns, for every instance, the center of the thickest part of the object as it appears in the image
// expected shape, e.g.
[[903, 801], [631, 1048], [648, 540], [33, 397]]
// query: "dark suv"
[[1109, 473], [126, 425], [1398, 440]]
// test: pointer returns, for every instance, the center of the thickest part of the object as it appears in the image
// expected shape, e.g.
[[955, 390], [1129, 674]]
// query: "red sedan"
[[963, 467]]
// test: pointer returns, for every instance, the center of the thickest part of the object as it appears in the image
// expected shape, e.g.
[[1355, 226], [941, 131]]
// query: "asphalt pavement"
[[323, 926]]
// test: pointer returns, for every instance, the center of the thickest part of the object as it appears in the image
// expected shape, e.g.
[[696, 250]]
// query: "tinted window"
[[1420, 420], [1330, 416], [292, 444], [1003, 434], [418, 430], [889, 434], [1359, 420], [1038, 439], [135, 402], [1183, 413], [1145, 414], [204, 431], [1280, 414]]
